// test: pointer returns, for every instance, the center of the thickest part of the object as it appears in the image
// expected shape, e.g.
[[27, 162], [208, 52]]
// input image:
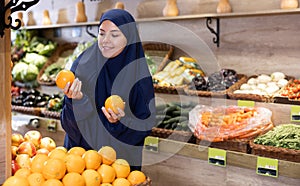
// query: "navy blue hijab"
[[126, 75]]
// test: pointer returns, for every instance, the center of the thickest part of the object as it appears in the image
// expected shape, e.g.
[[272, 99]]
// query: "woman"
[[114, 66]]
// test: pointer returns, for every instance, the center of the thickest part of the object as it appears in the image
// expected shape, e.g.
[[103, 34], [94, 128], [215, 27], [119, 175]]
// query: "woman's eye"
[[115, 35], [101, 34]]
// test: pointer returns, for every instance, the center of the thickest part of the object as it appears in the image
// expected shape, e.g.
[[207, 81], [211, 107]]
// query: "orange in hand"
[[114, 102], [63, 77]]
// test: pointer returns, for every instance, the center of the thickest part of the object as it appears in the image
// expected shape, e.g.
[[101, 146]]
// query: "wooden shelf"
[[238, 159], [180, 17]]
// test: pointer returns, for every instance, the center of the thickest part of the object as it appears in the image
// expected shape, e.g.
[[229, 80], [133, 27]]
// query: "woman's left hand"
[[111, 116]]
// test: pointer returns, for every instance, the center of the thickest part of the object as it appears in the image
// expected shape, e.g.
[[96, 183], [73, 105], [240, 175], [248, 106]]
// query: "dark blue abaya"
[[126, 75]]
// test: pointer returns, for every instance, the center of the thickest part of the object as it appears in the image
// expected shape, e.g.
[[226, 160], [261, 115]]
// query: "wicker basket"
[[50, 114], [145, 183], [61, 48], [220, 94], [159, 52], [36, 111], [182, 136], [169, 89], [275, 152], [239, 145], [252, 97]]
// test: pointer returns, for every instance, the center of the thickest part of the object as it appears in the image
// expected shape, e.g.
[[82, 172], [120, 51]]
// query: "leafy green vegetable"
[[18, 70], [42, 46], [24, 72], [151, 64], [23, 37], [30, 73], [36, 59]]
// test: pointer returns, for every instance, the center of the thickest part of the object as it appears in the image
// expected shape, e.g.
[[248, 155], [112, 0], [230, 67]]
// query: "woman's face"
[[111, 40]]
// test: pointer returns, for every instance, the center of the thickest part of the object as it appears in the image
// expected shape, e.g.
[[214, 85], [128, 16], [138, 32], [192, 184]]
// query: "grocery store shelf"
[[238, 159], [180, 17]]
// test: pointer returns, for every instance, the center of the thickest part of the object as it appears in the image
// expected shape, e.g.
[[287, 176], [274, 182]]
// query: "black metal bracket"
[[14, 6], [216, 32], [88, 28]]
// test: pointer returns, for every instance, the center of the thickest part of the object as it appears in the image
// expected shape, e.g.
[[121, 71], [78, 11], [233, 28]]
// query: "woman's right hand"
[[73, 90]]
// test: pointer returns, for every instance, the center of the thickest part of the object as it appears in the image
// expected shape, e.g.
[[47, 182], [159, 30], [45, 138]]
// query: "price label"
[[245, 103], [52, 125], [267, 166], [295, 113], [217, 157], [151, 143]]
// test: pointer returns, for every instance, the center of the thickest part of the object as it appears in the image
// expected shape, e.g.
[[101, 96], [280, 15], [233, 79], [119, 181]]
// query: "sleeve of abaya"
[[69, 121]]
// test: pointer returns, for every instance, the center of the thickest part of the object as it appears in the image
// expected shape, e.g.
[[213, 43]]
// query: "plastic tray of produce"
[[259, 96], [229, 127], [50, 81], [190, 90]]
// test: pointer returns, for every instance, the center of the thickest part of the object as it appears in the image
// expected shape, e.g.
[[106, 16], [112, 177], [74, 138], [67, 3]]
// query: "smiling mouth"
[[107, 48]]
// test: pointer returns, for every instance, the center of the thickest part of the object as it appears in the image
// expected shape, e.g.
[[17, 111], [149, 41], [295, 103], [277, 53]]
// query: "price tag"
[[151, 143], [52, 125], [295, 113], [267, 166], [245, 103], [217, 157]]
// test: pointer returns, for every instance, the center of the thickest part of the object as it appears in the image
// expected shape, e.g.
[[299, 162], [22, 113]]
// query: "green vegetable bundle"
[[286, 136]]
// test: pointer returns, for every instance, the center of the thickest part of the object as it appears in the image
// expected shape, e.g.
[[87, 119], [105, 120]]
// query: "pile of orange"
[[77, 167]]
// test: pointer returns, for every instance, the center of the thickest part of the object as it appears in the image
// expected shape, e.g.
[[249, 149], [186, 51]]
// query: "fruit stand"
[[243, 53]]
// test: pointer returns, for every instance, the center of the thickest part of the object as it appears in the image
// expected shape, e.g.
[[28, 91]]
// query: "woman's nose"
[[106, 39]]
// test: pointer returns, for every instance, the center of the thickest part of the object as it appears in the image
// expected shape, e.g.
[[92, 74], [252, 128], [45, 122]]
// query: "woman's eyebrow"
[[110, 30]]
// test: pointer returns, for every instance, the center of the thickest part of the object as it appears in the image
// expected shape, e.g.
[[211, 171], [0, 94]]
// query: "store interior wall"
[[250, 45]]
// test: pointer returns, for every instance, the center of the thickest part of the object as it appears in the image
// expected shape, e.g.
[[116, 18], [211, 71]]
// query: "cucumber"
[[176, 119], [160, 107], [168, 126], [176, 113], [174, 125], [160, 118], [170, 109]]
